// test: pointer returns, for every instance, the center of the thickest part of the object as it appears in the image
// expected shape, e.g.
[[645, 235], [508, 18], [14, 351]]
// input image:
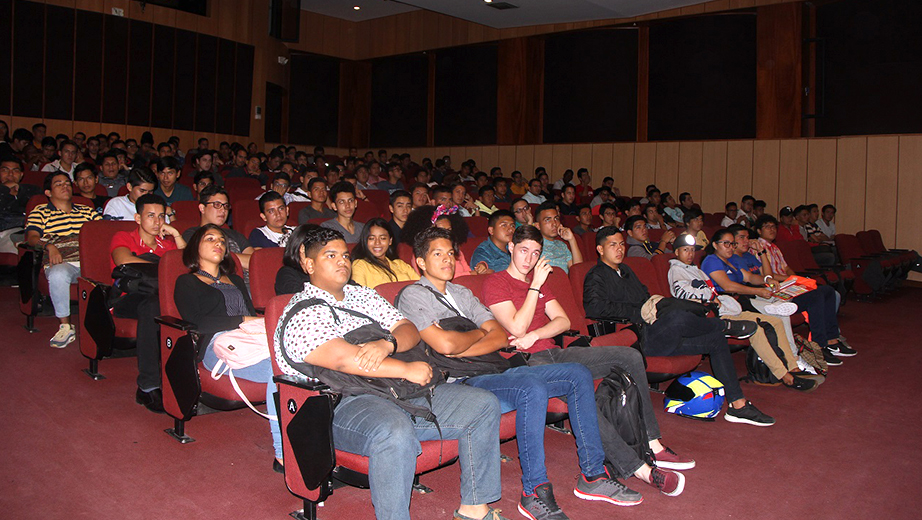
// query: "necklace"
[[215, 279]]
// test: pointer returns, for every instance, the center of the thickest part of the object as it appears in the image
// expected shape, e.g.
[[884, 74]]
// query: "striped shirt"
[[49, 220]]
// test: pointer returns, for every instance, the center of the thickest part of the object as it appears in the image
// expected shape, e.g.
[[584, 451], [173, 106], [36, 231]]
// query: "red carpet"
[[77, 448]]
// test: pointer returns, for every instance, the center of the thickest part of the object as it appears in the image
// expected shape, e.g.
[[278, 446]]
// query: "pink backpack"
[[240, 348]]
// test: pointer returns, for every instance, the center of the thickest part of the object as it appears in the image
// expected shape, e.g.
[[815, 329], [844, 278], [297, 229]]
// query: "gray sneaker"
[[65, 336], [541, 505], [608, 490]]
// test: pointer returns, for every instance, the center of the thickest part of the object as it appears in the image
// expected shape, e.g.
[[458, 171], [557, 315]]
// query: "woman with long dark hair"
[[374, 258]]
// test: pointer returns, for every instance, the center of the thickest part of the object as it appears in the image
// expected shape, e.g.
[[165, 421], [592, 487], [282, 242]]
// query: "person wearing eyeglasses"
[[557, 238], [522, 212], [215, 207], [274, 212]]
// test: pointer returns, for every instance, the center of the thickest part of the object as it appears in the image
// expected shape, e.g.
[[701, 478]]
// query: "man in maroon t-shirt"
[[525, 306], [145, 245]]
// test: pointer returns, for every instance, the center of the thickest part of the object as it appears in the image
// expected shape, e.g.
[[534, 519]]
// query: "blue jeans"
[[821, 306], [259, 373], [60, 278], [382, 431], [527, 389]]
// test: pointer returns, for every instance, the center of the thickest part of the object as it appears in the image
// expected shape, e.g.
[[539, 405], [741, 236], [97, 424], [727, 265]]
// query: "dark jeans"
[[820, 306], [144, 308], [599, 360], [526, 389], [681, 333]]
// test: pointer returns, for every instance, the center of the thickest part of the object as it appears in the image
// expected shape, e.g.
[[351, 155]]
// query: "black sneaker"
[[801, 383], [840, 349], [830, 359], [541, 505], [748, 414], [740, 329], [608, 490]]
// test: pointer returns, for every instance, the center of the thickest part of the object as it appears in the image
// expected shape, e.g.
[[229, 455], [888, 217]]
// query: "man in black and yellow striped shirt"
[[55, 226]]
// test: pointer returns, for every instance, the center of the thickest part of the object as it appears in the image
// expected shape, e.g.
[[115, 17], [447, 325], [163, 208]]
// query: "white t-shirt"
[[56, 165], [120, 208]]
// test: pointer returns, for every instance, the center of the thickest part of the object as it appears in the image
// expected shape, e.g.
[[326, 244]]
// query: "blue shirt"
[[713, 263], [496, 259], [180, 192], [748, 262], [557, 254]]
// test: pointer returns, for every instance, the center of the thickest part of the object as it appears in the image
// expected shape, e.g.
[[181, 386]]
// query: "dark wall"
[[82, 65], [703, 78], [273, 112], [465, 95], [873, 67], [590, 86], [399, 100], [313, 103]]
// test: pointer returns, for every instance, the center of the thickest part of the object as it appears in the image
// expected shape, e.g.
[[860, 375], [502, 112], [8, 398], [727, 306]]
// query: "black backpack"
[[621, 415], [758, 370]]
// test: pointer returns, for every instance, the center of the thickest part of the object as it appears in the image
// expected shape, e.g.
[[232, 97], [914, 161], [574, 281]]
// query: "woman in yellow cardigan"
[[374, 258]]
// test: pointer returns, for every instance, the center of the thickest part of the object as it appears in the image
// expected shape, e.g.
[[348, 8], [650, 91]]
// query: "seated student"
[[14, 196], [609, 214], [55, 227], [374, 258], [200, 181], [214, 206], [688, 282], [561, 247], [110, 175], [655, 219], [745, 214], [216, 300], [394, 180], [317, 187], [419, 194], [495, 249], [461, 198], [827, 222], [567, 204], [168, 173], [686, 201], [583, 220], [85, 180], [533, 195], [342, 194], [501, 185], [823, 253], [444, 217], [525, 306], [612, 291], [280, 184], [758, 208], [145, 245], [441, 196], [694, 221], [67, 160], [638, 242], [291, 277], [251, 169], [820, 304], [486, 203], [374, 427], [523, 388], [141, 181], [730, 215], [633, 208], [602, 195], [671, 209], [788, 230], [522, 211], [274, 211], [400, 205]]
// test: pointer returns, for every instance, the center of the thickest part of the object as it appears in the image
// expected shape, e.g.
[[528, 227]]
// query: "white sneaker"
[[804, 366], [64, 337], [781, 308]]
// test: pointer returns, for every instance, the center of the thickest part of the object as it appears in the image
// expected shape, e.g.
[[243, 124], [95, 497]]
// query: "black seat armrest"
[[176, 323], [301, 382]]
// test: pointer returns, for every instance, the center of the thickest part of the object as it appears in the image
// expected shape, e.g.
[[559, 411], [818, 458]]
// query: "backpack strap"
[[438, 296]]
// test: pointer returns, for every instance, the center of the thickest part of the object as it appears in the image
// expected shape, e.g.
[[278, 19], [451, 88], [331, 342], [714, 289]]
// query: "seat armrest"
[[570, 333], [176, 323], [300, 382]]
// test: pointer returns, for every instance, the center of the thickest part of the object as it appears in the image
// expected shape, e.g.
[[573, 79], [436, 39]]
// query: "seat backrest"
[[792, 254], [877, 239], [468, 248], [274, 310], [643, 268], [478, 226], [389, 290], [366, 211], [244, 211], [380, 198], [293, 209], [587, 246], [654, 235], [713, 219], [661, 268], [577, 278], [848, 246], [405, 253], [570, 221], [187, 210], [474, 282], [869, 242], [95, 238], [559, 284], [264, 266], [699, 257]]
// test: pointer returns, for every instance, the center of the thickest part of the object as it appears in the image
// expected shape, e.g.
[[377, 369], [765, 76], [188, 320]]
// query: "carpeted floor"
[[77, 448]]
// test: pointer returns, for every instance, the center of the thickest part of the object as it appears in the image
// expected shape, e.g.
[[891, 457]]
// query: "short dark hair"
[[190, 255], [829, 206], [747, 197], [527, 232], [485, 188], [170, 163], [210, 191], [38, 125], [764, 219], [759, 204], [292, 256], [690, 214], [684, 195], [313, 181], [800, 208], [21, 134], [607, 206], [46, 184], [82, 167], [545, 206], [429, 235], [341, 187], [629, 223], [268, 197], [811, 206], [606, 232], [736, 228], [498, 214], [533, 181], [315, 238], [201, 154], [66, 142], [148, 198], [203, 175], [633, 203], [141, 174], [440, 188], [727, 205], [400, 193]]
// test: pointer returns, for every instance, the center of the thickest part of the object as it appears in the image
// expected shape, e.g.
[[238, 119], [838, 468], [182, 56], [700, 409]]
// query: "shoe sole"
[[675, 466], [525, 513], [839, 353], [605, 498], [836, 363], [678, 490], [742, 336], [63, 345], [740, 420]]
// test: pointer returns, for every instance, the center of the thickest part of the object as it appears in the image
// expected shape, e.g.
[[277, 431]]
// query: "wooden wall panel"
[[739, 169], [489, 157], [644, 167], [690, 164], [622, 168], [766, 156], [582, 158], [821, 171], [600, 165], [475, 153], [909, 211], [667, 167], [563, 159], [851, 181], [506, 159], [882, 178], [524, 161], [714, 176], [792, 182], [544, 156]]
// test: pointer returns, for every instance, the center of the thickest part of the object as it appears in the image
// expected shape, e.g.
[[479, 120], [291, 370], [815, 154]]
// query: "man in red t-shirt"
[[525, 306], [152, 239]]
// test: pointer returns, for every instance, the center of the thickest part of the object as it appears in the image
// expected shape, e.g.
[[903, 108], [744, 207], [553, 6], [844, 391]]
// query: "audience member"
[[111, 176], [486, 204], [374, 257], [563, 181], [522, 212], [420, 195], [67, 161], [168, 173], [141, 181], [446, 217], [274, 211], [561, 247], [394, 179], [495, 249], [827, 223], [534, 196], [519, 187], [14, 196], [342, 194], [671, 209], [584, 220], [567, 204], [694, 222], [638, 243], [318, 208], [731, 215], [214, 206], [503, 195]]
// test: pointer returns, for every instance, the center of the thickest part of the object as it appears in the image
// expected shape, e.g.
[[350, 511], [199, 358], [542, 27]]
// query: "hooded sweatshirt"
[[688, 282]]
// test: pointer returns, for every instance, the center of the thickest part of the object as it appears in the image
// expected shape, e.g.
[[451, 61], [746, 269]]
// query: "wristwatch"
[[391, 339]]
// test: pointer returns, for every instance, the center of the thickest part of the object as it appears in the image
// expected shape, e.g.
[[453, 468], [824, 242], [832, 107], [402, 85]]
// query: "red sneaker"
[[669, 483], [668, 459]]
